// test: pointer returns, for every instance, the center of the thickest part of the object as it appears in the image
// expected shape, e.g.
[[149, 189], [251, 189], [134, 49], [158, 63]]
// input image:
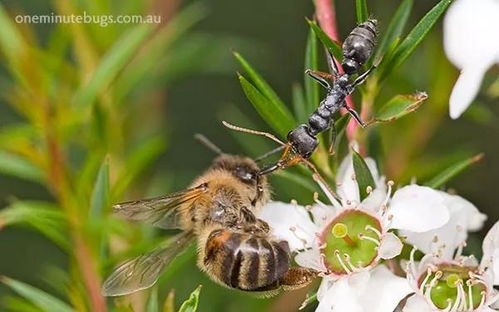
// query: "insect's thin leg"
[[319, 179], [320, 77], [355, 115], [333, 139], [362, 77], [331, 63], [265, 134]]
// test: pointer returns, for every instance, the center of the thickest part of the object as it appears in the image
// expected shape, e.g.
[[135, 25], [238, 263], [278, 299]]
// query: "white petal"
[[348, 188], [374, 201], [340, 297], [464, 217], [291, 223], [465, 90], [418, 209], [390, 246], [477, 21], [384, 291], [491, 251], [311, 258], [322, 214], [416, 303]]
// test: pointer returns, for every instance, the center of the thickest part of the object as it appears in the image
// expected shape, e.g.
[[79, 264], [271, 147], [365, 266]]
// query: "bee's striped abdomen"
[[246, 262]]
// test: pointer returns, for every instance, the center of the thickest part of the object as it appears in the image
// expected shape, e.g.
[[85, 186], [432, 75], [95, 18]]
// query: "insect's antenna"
[[265, 134], [269, 153], [209, 144]]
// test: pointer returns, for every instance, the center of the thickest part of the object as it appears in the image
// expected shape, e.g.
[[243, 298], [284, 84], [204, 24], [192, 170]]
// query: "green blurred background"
[[196, 87]]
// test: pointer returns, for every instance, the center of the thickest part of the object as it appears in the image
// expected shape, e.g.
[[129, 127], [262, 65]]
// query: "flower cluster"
[[355, 245]]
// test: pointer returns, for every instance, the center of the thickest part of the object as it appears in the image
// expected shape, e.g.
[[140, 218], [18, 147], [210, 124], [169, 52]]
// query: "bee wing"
[[143, 271], [159, 211]]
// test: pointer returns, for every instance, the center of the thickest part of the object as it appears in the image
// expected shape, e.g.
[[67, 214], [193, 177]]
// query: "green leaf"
[[18, 167], [191, 304], [100, 194], [333, 46], [361, 10], [278, 117], [297, 178], [395, 28], [299, 103], [453, 171], [137, 162], [37, 296], [413, 39], [42, 216], [398, 106], [112, 64], [311, 62], [152, 303], [261, 84], [362, 174]]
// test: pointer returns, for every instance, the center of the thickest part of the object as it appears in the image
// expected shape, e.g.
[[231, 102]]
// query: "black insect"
[[302, 141]]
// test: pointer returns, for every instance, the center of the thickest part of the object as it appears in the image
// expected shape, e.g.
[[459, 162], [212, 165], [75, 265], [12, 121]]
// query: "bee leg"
[[320, 77], [297, 277]]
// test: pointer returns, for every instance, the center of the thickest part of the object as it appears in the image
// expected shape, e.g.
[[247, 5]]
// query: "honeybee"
[[234, 247]]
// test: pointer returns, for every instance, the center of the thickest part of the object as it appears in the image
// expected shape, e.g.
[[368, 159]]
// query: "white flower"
[[455, 284], [345, 241], [471, 44], [464, 218]]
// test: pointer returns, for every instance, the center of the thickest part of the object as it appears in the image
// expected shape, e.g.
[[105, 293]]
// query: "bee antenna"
[[269, 153], [209, 144], [265, 134]]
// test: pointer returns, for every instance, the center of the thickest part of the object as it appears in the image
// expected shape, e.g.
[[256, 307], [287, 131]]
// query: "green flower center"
[[350, 242], [453, 286]]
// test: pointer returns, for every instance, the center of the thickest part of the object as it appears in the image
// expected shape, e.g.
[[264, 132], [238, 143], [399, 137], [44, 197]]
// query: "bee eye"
[[243, 174]]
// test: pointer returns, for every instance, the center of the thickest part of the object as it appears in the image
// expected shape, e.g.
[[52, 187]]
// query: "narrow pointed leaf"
[[41, 216], [259, 82], [413, 39], [398, 107], [311, 62], [37, 296], [19, 167], [278, 117], [361, 11], [333, 46], [362, 174], [299, 103], [453, 171], [100, 194], [152, 304], [169, 304], [191, 304], [112, 64], [395, 28]]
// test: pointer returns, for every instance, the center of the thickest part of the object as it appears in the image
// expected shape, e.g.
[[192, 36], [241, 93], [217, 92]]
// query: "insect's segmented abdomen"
[[246, 262], [359, 44]]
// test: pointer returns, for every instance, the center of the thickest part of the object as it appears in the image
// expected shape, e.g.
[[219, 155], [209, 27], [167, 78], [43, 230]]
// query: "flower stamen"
[[375, 230], [340, 260], [369, 238]]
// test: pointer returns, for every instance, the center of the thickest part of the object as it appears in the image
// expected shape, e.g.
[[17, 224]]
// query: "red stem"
[[326, 15]]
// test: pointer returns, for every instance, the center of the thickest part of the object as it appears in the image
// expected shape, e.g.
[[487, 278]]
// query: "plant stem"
[[326, 15]]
